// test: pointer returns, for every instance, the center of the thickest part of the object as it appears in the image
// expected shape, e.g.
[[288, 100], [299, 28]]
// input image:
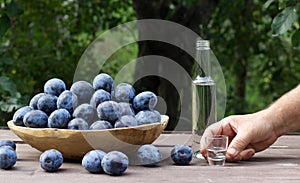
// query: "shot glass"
[[216, 147]]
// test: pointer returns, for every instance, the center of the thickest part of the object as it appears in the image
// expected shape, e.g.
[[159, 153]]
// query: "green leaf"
[[8, 106], [7, 85], [4, 24], [267, 4], [9, 96], [296, 39], [284, 20], [283, 4]]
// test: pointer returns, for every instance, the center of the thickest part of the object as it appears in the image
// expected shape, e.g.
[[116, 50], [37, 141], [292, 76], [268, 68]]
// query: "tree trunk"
[[240, 86], [191, 18]]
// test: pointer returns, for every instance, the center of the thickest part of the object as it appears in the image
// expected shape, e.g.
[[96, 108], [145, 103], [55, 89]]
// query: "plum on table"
[[6, 142], [92, 161], [115, 163], [181, 154], [8, 157], [51, 160], [149, 155]]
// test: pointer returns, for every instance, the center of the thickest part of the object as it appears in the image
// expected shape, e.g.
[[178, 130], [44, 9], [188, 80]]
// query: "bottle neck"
[[203, 65]]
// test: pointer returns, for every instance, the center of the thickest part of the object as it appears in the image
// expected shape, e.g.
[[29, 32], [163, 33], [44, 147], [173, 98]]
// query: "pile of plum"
[[95, 106], [85, 106], [97, 161]]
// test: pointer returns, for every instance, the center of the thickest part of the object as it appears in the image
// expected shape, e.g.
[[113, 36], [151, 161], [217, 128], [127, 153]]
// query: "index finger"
[[214, 129]]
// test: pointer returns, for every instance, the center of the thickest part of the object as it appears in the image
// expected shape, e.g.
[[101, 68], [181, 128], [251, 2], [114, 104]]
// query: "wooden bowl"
[[74, 144]]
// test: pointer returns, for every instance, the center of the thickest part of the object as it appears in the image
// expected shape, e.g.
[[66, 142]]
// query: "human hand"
[[247, 134]]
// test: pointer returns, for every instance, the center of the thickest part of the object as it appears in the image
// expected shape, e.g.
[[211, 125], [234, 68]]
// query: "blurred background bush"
[[256, 43]]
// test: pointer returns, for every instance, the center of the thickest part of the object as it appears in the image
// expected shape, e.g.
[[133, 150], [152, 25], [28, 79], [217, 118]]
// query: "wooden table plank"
[[279, 163]]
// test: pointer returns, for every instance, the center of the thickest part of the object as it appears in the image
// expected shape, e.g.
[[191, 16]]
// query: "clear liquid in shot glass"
[[216, 156]]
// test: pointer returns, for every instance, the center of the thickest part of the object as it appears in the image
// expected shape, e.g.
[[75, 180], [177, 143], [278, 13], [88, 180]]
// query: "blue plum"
[[92, 161], [126, 109], [83, 90], [8, 143], [149, 155], [123, 92], [51, 160], [54, 86], [86, 112], [98, 97], [109, 111], [148, 117], [19, 115], [126, 121], [115, 163], [181, 154], [47, 103], [34, 100], [103, 81], [78, 124], [8, 157], [35, 119], [59, 119], [67, 100], [146, 100], [8, 147], [101, 125]]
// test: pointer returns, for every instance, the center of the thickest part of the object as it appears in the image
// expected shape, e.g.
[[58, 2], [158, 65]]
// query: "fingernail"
[[250, 154], [233, 152]]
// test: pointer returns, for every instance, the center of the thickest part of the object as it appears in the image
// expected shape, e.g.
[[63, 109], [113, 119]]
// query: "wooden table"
[[279, 163]]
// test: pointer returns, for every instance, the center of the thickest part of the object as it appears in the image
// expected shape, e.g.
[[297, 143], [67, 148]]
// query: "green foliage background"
[[44, 39], [255, 37]]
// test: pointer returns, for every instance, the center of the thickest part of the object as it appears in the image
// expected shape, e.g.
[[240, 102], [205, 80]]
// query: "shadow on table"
[[292, 161]]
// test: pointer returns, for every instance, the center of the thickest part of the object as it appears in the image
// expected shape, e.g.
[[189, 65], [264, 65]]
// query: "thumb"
[[237, 145]]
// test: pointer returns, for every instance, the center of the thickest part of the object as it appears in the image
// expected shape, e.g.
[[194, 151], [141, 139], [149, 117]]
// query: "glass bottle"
[[203, 95]]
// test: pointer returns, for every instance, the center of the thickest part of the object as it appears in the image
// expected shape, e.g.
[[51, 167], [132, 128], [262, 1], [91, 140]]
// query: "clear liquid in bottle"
[[204, 110]]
